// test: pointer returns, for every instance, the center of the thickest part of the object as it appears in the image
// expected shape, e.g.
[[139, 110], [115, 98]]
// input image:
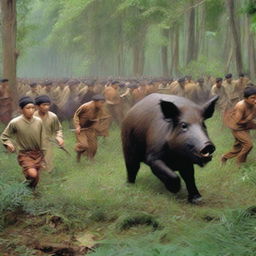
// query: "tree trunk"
[[138, 59], [9, 28], [120, 55], [175, 52], [164, 51], [227, 44], [201, 29], [251, 49], [234, 30], [230, 55], [191, 34]]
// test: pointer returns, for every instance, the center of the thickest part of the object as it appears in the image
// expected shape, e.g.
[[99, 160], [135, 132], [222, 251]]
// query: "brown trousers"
[[87, 142], [28, 160], [242, 146]]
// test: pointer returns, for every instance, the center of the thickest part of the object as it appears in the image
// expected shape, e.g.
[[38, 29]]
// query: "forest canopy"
[[105, 38]]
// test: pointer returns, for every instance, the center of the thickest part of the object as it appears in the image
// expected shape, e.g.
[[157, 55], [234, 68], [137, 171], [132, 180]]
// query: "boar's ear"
[[209, 106], [170, 110]]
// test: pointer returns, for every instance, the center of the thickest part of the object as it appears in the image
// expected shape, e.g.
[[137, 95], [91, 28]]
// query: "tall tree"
[[191, 45], [175, 50], [251, 50], [164, 50], [234, 30], [10, 54]]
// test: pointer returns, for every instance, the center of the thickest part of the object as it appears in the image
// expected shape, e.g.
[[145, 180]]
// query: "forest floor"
[[89, 208]]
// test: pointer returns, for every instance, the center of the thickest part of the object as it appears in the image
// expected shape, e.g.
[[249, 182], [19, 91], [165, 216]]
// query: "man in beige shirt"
[[33, 92], [28, 133], [229, 86], [178, 87], [52, 127], [219, 90], [113, 102], [240, 85]]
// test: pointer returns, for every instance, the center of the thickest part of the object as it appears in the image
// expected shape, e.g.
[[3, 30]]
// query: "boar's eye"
[[184, 126]]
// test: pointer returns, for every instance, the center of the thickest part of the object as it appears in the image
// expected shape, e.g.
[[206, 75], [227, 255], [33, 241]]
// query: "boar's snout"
[[208, 149]]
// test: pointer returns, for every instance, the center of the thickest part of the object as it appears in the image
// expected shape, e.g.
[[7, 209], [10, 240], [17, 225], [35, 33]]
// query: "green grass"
[[140, 219]]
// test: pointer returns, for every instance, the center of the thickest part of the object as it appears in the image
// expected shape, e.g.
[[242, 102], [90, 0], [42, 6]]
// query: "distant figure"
[[90, 121], [28, 133], [240, 85], [132, 94], [72, 103], [198, 92], [113, 102], [52, 127], [140, 92], [5, 102], [189, 82], [240, 121], [33, 92], [219, 90], [178, 87], [52, 93], [229, 86], [89, 94]]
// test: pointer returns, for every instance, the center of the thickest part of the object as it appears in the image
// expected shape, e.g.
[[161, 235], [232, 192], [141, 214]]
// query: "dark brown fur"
[[168, 133]]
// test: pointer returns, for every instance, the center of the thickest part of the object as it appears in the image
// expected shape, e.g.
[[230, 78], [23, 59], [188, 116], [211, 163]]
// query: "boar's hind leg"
[[189, 178], [166, 175]]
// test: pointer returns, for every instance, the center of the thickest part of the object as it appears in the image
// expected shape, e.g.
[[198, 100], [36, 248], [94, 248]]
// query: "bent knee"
[[32, 173], [248, 146]]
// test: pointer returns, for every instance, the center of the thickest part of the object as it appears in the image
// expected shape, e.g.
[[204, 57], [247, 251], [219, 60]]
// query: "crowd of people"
[[92, 105]]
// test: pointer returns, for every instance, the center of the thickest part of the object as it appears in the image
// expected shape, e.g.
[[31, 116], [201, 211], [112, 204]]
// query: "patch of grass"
[[233, 235], [12, 199]]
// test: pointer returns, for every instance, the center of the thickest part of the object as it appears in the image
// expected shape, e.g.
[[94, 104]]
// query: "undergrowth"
[[140, 219]]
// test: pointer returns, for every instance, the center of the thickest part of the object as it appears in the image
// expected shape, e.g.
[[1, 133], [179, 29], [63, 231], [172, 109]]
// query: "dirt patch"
[[55, 249]]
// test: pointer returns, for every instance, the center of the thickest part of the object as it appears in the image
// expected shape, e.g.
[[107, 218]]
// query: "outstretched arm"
[[8, 132]]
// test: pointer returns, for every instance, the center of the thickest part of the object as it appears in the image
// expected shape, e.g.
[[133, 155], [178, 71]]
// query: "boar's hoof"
[[173, 186], [196, 199]]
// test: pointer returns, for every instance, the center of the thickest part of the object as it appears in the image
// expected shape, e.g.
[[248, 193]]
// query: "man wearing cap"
[[198, 92], [178, 87], [62, 92], [5, 102], [240, 85], [50, 90], [87, 96], [140, 92], [189, 82], [219, 90], [90, 121], [240, 121], [33, 92], [229, 86], [113, 102], [151, 87], [72, 102], [52, 127], [131, 97], [28, 133]]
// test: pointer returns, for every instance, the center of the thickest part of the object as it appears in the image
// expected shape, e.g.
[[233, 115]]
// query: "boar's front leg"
[[166, 175], [188, 175]]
